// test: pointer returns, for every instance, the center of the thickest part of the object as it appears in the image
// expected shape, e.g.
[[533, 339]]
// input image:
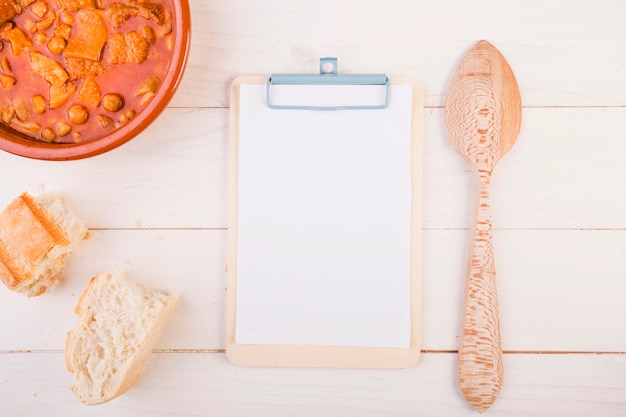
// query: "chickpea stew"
[[74, 70]]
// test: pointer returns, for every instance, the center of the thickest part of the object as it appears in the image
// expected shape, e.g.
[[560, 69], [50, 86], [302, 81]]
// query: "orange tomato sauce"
[[118, 72]]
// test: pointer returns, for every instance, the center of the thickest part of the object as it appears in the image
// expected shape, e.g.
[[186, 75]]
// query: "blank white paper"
[[324, 223]]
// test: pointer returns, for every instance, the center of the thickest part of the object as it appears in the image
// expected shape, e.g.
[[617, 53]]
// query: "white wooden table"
[[157, 205]]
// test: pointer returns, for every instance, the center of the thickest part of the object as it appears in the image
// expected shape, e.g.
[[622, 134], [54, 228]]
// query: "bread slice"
[[119, 323], [36, 236]]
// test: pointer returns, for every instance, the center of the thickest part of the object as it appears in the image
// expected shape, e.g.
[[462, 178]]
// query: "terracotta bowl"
[[20, 144]]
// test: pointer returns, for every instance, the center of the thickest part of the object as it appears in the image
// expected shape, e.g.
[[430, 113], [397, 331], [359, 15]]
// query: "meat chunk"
[[6, 65], [128, 48], [90, 37], [82, 68], [7, 81], [60, 87], [21, 110], [23, 4], [8, 10], [60, 94], [90, 93], [19, 40], [7, 112], [119, 13], [150, 85], [49, 69], [75, 5]]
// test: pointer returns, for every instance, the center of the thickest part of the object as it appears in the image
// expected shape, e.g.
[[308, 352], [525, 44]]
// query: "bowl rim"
[[21, 146]]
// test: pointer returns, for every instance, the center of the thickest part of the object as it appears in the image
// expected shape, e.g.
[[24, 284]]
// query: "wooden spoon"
[[483, 115]]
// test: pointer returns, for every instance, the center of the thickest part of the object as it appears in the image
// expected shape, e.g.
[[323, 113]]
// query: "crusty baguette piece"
[[36, 237], [119, 323]]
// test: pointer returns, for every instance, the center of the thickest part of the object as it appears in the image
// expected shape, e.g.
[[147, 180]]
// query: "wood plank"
[[559, 205], [168, 180], [543, 44], [564, 172], [190, 262], [195, 384], [559, 290]]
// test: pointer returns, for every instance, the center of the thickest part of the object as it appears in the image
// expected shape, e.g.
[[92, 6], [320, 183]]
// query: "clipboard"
[[325, 220]]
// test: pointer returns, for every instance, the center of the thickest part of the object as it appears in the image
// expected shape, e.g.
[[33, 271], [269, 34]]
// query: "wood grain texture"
[[158, 204], [206, 384], [548, 180], [404, 39], [193, 261], [190, 262], [483, 119], [182, 157]]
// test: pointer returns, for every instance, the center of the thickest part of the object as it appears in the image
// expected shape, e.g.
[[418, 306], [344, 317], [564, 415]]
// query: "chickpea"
[[78, 114], [48, 135], [39, 104], [39, 8], [63, 31], [40, 38], [125, 118], [67, 18], [56, 45], [30, 25], [112, 102], [63, 128]]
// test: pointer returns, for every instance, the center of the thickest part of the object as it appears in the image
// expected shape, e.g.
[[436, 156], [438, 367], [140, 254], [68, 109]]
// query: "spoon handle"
[[480, 371]]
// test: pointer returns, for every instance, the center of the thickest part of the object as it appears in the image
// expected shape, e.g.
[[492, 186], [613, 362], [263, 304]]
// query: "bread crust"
[[107, 351], [33, 245], [83, 299], [25, 239], [46, 221], [69, 347]]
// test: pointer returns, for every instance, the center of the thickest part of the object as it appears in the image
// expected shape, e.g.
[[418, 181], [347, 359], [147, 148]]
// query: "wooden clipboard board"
[[345, 355]]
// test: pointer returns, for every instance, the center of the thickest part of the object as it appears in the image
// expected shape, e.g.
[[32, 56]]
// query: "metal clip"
[[328, 76]]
